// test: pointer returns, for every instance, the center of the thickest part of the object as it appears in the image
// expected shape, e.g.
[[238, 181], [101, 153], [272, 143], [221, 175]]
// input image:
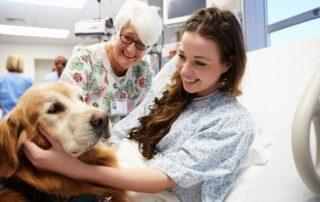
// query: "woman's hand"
[[54, 159], [57, 160]]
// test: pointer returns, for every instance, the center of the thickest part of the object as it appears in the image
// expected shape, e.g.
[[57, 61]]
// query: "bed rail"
[[308, 111]]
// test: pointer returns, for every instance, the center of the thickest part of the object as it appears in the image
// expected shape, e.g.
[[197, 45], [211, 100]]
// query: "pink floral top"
[[91, 70]]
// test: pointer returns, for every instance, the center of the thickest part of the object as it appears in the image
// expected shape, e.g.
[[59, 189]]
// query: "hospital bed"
[[274, 85], [275, 80]]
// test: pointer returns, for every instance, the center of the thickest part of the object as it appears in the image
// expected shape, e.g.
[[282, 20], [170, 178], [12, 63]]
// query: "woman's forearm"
[[139, 180]]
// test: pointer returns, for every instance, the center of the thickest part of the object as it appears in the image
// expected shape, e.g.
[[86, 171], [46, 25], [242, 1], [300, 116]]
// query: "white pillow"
[[255, 159], [166, 72]]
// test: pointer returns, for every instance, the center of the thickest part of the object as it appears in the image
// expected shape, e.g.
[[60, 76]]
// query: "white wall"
[[232, 5], [31, 53], [42, 67]]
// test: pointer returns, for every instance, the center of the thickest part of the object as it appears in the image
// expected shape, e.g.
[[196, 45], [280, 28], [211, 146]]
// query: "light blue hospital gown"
[[203, 148]]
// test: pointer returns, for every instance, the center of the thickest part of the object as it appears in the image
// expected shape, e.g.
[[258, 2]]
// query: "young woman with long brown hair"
[[194, 131]]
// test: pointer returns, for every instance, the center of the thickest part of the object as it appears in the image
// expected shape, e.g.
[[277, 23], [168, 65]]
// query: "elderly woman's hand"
[[54, 159]]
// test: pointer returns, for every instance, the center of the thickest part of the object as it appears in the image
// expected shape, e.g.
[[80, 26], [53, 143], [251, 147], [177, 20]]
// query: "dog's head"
[[59, 109]]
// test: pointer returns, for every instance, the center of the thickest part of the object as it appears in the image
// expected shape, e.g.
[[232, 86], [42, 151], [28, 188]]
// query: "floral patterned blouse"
[[90, 69]]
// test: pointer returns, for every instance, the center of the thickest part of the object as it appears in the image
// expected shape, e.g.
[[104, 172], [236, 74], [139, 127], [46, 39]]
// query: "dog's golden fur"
[[70, 126]]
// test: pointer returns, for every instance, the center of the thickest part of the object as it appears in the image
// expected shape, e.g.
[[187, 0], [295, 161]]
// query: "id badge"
[[118, 107]]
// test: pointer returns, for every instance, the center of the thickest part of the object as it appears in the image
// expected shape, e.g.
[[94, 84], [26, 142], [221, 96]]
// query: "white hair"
[[143, 18]]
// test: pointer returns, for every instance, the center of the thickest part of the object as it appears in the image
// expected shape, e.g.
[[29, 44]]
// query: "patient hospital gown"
[[203, 148]]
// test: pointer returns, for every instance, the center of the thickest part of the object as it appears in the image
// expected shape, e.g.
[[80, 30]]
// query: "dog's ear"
[[10, 130]]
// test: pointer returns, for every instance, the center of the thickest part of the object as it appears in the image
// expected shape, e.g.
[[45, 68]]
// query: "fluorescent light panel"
[[77, 4], [33, 31]]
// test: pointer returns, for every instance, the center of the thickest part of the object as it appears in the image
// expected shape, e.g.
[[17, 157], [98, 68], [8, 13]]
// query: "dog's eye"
[[55, 108]]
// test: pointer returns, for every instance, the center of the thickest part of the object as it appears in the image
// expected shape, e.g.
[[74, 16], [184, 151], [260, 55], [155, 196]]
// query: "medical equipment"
[[101, 28], [94, 27]]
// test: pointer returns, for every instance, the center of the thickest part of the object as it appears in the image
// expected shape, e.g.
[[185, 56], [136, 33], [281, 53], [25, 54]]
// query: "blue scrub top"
[[12, 86]]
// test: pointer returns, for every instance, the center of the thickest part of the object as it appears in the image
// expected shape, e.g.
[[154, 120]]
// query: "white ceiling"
[[53, 17]]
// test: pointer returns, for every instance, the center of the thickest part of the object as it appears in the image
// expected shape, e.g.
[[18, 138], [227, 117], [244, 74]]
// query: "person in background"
[[59, 65], [193, 132], [1, 113], [14, 83], [112, 74]]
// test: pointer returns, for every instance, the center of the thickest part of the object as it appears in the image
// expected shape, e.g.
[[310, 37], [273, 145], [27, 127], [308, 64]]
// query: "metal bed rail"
[[307, 112]]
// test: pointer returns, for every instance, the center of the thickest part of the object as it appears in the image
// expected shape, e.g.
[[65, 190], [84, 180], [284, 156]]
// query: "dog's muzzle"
[[99, 122]]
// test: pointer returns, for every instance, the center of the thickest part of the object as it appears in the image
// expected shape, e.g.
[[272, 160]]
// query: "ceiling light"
[[33, 31], [77, 4]]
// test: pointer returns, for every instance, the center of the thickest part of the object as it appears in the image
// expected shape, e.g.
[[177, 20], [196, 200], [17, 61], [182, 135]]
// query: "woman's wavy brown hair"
[[212, 23]]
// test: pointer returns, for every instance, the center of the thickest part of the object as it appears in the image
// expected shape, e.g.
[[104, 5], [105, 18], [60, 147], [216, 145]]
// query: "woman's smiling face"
[[127, 55], [199, 64]]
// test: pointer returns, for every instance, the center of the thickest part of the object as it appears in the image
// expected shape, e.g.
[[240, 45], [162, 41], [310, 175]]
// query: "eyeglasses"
[[126, 39]]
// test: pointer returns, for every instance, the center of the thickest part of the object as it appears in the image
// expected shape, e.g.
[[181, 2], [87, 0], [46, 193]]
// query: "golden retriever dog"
[[59, 109]]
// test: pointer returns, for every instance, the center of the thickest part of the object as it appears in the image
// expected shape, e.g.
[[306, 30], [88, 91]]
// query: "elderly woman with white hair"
[[112, 74]]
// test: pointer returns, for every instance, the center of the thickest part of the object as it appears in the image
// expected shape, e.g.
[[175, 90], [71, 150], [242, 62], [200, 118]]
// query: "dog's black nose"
[[99, 122]]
